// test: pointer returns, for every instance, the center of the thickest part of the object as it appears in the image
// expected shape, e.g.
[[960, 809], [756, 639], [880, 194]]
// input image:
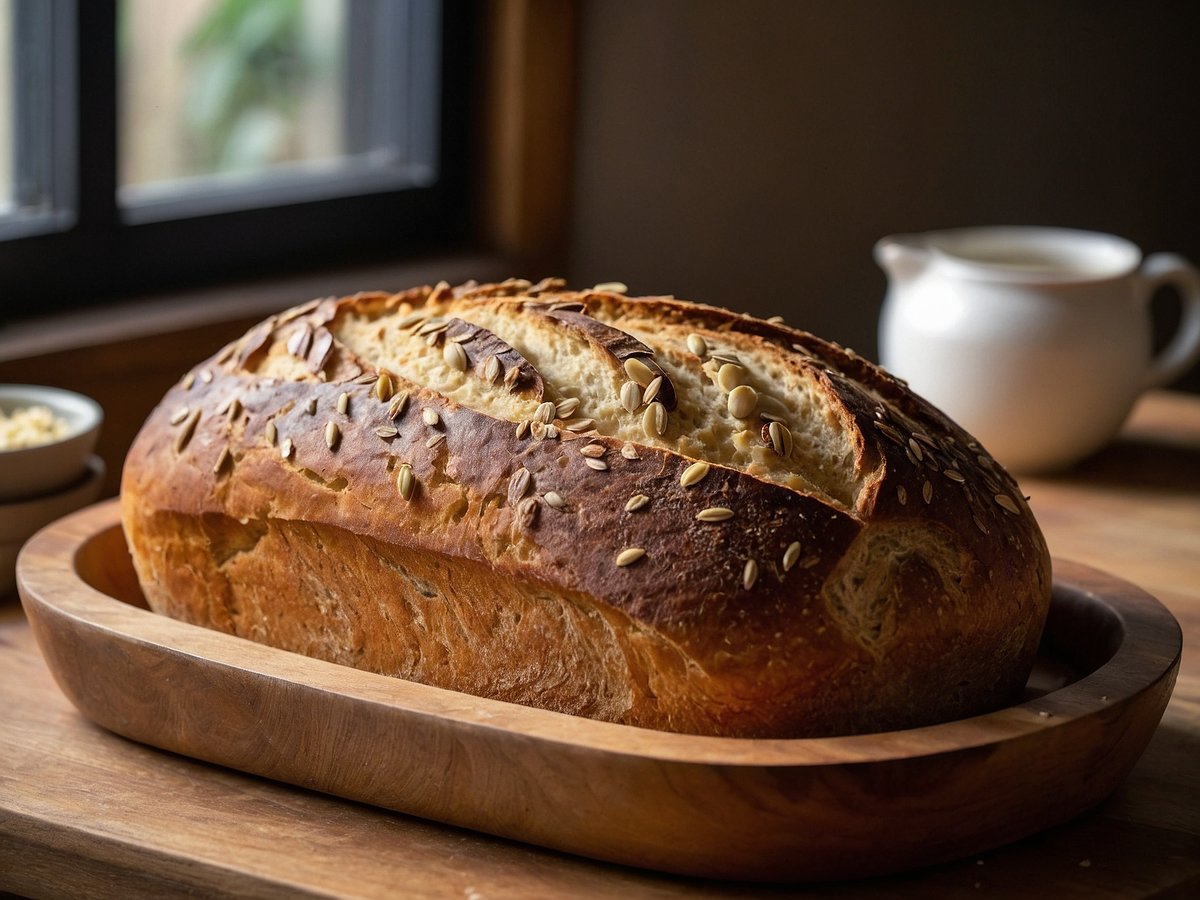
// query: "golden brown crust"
[[271, 507]]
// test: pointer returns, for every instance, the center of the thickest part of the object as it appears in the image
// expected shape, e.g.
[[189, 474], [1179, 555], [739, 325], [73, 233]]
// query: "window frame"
[[107, 251], [43, 108]]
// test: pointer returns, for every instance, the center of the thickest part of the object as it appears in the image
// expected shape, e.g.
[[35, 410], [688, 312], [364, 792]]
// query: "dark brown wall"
[[750, 153]]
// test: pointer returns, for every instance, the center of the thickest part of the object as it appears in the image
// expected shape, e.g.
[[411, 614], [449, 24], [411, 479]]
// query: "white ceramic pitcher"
[[1036, 340]]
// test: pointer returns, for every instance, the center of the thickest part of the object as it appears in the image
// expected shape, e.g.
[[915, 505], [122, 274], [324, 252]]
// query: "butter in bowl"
[[47, 467]]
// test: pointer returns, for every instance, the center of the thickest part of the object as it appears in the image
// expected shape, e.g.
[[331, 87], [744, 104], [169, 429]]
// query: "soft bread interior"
[[821, 458]]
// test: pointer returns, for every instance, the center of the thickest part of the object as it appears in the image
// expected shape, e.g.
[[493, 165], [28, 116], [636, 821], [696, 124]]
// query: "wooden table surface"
[[86, 813]]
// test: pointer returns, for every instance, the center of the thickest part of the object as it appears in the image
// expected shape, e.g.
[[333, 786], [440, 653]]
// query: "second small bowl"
[[21, 519]]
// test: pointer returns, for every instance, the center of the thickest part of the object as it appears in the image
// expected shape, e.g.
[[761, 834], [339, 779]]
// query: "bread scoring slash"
[[641, 510]]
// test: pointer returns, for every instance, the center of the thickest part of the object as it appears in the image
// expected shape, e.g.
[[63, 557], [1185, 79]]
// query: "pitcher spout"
[[903, 257]]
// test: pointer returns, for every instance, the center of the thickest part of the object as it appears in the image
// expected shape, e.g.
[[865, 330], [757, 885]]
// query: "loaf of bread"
[[640, 510]]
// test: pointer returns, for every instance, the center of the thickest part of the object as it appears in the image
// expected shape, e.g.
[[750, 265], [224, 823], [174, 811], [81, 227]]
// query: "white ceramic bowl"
[[33, 471], [22, 519]]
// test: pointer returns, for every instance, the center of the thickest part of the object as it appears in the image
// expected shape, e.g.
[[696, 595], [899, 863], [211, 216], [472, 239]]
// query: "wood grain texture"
[[762, 810], [84, 812]]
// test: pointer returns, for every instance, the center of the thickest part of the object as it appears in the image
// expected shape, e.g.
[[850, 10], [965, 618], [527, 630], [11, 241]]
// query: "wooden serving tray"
[[763, 810]]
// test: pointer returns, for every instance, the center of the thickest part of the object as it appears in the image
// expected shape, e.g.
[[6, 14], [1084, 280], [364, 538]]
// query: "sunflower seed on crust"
[[629, 451], [749, 574], [790, 555], [729, 376], [693, 474], [636, 502], [629, 556], [598, 464], [781, 439], [411, 321], [188, 429], [652, 389], [455, 356], [631, 396], [333, 435], [742, 401], [890, 433], [696, 344], [638, 371], [433, 325], [593, 451], [387, 432], [493, 369], [772, 407], [654, 420], [527, 512], [554, 499], [179, 415], [544, 413], [429, 416], [715, 514], [518, 485], [566, 408], [405, 481], [1007, 504], [396, 407]]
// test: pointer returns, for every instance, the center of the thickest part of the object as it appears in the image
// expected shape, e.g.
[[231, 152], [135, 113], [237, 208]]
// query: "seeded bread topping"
[[30, 426], [636, 509]]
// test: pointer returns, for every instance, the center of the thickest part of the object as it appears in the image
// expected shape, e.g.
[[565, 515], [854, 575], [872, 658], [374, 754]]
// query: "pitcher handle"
[[1163, 269]]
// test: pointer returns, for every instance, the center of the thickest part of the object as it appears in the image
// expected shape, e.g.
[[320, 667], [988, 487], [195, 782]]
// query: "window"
[[146, 144], [36, 158]]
